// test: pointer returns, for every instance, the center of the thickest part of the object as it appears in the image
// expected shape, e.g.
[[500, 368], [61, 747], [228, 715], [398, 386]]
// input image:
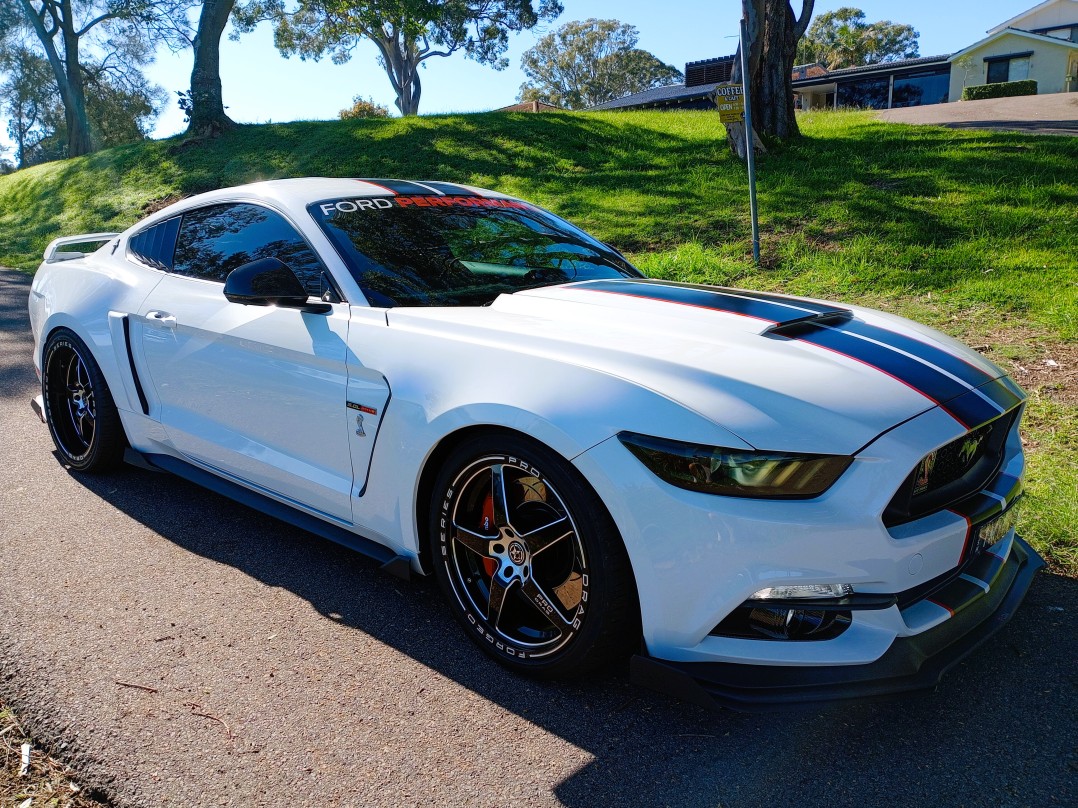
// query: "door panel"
[[258, 392]]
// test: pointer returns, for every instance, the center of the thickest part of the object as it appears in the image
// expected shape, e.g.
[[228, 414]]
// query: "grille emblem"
[[969, 449]]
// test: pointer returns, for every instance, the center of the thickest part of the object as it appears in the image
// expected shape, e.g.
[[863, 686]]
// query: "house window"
[[1012, 67], [866, 94], [914, 89]]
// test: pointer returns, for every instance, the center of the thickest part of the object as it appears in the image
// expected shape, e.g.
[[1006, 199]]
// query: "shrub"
[[363, 108], [1002, 89]]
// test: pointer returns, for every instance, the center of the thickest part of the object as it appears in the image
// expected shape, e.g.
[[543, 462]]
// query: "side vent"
[[134, 373]]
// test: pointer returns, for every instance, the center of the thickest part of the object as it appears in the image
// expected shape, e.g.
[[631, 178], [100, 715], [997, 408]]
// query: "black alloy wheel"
[[529, 559], [81, 414]]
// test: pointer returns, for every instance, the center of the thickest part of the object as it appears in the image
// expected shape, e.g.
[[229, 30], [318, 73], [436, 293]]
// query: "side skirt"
[[399, 566]]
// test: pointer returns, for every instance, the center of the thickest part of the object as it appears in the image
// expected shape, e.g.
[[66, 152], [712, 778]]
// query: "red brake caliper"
[[489, 564]]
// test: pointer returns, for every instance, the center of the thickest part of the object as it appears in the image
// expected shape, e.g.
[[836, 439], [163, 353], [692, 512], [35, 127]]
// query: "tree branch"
[[803, 21]]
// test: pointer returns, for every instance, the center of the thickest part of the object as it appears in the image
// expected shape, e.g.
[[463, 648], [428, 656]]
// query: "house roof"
[[1050, 40], [1011, 23], [671, 94], [880, 67], [529, 106]]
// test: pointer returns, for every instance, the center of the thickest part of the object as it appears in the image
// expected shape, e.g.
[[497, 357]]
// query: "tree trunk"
[[78, 126], [68, 74], [208, 116], [402, 66], [774, 32]]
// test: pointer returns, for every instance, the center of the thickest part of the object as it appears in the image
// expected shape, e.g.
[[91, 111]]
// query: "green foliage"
[[973, 232], [586, 63], [1002, 89], [405, 32], [363, 108], [842, 38], [95, 51]]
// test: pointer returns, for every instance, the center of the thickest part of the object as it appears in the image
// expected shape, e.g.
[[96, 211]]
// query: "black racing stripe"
[[696, 296], [958, 594], [450, 188], [945, 360], [1011, 385], [887, 352], [801, 303], [980, 507], [790, 304], [1001, 393], [399, 186], [971, 410], [985, 566]]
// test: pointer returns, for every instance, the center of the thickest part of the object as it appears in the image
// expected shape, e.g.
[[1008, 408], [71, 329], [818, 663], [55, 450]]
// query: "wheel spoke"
[[497, 600], [497, 493], [476, 542], [543, 537], [535, 596]]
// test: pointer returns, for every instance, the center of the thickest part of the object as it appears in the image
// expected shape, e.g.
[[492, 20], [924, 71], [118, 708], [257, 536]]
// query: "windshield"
[[459, 250]]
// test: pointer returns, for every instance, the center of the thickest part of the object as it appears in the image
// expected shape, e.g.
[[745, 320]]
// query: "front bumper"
[[916, 662]]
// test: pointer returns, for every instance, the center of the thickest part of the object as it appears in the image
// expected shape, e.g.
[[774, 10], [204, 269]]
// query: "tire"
[[79, 408], [540, 581]]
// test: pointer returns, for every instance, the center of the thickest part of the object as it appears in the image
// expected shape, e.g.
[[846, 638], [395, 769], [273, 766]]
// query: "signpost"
[[731, 101], [750, 142]]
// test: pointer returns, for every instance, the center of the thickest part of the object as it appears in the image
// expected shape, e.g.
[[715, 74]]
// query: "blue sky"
[[260, 85]]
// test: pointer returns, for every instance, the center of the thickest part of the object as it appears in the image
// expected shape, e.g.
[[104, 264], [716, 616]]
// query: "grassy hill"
[[973, 232]]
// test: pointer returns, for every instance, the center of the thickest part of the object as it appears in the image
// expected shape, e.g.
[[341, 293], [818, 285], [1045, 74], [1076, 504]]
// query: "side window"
[[154, 245], [216, 239]]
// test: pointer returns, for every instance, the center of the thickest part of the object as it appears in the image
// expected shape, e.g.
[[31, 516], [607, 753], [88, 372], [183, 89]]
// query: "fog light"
[[794, 591], [797, 624]]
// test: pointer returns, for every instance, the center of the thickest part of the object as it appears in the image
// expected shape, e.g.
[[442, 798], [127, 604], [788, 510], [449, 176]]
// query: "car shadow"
[[955, 746]]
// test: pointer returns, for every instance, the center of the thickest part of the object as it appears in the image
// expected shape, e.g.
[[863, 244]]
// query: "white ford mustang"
[[769, 499]]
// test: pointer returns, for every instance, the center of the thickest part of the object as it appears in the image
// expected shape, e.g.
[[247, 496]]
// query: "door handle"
[[161, 318]]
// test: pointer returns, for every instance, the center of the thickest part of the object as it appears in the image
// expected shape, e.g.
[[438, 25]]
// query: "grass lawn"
[[973, 232]]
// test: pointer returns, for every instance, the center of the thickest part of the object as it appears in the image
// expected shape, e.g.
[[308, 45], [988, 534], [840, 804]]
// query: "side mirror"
[[269, 282]]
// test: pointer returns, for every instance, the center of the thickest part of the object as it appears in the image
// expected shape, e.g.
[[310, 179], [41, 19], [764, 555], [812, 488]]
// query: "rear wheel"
[[530, 561], [81, 414]]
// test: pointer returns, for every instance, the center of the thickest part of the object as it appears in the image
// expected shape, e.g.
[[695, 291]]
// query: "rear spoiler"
[[53, 253]]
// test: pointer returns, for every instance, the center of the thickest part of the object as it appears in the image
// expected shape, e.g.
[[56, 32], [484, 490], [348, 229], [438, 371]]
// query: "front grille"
[[952, 472]]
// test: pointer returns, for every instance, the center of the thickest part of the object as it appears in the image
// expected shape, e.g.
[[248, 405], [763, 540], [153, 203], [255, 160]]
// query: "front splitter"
[[910, 664]]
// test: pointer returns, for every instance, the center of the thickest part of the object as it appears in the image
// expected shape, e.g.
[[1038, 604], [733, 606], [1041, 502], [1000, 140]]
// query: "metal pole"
[[750, 145]]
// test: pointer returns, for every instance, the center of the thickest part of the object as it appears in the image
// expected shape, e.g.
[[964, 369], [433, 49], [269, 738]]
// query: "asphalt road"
[[330, 683], [1049, 114]]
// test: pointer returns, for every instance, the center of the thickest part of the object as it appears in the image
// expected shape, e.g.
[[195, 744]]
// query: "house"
[[1039, 44], [701, 79], [903, 83]]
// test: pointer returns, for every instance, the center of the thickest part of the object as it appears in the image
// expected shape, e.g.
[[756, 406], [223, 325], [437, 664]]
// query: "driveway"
[[178, 649], [1054, 114]]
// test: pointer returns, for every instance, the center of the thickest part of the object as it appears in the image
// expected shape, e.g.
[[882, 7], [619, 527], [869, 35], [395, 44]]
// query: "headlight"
[[736, 473]]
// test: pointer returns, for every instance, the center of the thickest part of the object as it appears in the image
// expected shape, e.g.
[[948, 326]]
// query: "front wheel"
[[529, 559], [81, 414]]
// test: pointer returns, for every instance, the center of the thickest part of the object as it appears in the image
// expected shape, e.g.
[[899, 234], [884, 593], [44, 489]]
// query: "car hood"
[[781, 373]]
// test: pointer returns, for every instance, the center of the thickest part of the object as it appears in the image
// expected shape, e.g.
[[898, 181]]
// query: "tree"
[[30, 102], [120, 106], [123, 34], [773, 33], [842, 38], [363, 108], [586, 63], [206, 111], [405, 32]]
